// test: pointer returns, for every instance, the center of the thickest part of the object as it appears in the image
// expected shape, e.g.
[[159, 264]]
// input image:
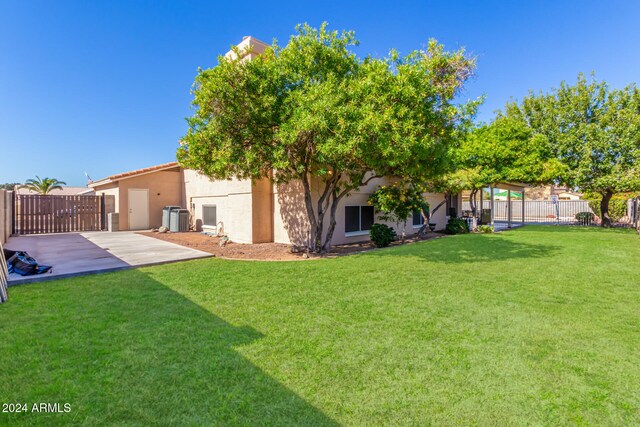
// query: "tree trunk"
[[315, 237], [472, 201], [441, 204], [605, 219], [326, 247], [474, 209]]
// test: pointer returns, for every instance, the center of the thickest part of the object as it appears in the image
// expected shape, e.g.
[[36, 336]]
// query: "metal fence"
[[535, 211]]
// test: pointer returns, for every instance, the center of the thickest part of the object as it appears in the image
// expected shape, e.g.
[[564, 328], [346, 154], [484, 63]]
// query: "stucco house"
[[247, 211], [141, 194]]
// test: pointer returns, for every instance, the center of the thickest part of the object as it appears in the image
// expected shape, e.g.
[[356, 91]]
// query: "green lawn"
[[539, 325]]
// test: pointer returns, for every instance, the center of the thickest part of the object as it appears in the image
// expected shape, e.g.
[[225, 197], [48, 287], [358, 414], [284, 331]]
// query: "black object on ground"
[[21, 263]]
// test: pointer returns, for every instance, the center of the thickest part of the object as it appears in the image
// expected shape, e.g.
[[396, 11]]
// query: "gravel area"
[[263, 251]]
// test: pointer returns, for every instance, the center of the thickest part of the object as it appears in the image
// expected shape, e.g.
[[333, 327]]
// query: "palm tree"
[[43, 186]]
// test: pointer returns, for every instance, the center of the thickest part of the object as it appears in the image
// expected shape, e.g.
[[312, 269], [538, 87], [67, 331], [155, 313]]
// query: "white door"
[[138, 209]]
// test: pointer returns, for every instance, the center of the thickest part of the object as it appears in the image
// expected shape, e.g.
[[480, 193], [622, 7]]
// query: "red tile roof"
[[136, 172]]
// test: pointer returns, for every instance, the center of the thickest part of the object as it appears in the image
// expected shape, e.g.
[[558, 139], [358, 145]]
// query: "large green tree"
[[314, 109], [593, 130], [506, 150]]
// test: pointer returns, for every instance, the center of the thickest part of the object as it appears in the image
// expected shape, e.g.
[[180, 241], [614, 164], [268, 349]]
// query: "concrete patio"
[[73, 254]]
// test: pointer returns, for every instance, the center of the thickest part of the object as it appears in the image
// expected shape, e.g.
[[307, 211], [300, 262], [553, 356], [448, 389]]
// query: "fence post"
[[508, 208], [13, 213], [492, 205], [103, 219]]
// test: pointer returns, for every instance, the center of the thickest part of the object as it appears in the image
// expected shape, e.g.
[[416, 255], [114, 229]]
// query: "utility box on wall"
[[113, 221]]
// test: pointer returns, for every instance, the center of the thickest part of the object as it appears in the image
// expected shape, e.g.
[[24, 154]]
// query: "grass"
[[540, 325]]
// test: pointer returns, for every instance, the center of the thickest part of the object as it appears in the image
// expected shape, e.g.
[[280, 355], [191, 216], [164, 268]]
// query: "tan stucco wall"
[[262, 211], [233, 199], [250, 212], [165, 189], [290, 219], [110, 189]]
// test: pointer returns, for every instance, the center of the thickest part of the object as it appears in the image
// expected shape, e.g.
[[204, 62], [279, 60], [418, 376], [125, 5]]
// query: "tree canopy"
[[506, 150], [314, 109], [592, 130], [9, 186]]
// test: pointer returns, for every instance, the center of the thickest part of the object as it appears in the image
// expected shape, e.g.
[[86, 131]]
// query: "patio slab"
[[73, 254]]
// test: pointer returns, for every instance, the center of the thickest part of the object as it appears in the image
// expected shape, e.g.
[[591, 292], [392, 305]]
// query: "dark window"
[[352, 218], [417, 218], [358, 218], [366, 215], [209, 216]]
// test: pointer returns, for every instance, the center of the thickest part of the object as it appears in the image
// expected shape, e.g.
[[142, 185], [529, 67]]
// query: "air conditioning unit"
[[166, 214], [179, 220]]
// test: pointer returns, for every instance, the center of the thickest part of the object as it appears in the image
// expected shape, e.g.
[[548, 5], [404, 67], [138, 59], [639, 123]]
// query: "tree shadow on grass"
[[472, 248], [124, 348]]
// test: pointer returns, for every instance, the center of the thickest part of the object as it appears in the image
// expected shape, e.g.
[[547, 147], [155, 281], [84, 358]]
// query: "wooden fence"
[[6, 215], [37, 214]]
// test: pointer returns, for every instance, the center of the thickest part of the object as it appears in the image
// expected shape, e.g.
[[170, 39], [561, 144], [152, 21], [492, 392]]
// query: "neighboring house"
[[566, 195], [64, 191], [545, 193], [247, 211]]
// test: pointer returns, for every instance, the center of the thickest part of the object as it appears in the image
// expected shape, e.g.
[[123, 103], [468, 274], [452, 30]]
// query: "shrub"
[[617, 204], [382, 235], [484, 229], [456, 226], [585, 217]]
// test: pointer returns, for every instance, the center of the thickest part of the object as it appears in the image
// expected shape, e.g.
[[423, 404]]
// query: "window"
[[418, 220], [209, 216], [358, 219]]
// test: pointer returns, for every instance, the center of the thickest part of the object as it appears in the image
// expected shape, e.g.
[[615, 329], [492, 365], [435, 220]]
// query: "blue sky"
[[103, 86]]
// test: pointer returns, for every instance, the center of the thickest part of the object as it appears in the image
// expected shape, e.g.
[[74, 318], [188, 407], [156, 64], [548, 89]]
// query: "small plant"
[[484, 229], [382, 235], [456, 226]]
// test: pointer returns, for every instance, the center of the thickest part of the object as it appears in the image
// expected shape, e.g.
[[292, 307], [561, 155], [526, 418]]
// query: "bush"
[[382, 235], [585, 217], [484, 229], [456, 226], [617, 205]]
